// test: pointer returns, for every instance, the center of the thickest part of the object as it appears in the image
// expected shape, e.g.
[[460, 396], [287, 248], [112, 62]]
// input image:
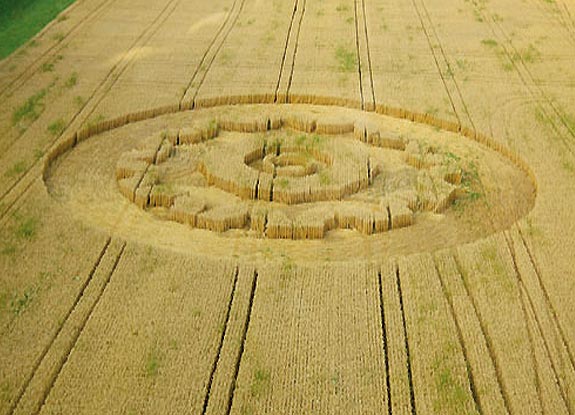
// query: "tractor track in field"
[[560, 16], [221, 343], [549, 110], [239, 356], [4, 147], [488, 341], [384, 341], [358, 53], [369, 65], [468, 368], [446, 61], [33, 68], [92, 102], [545, 294], [181, 104], [215, 54], [47, 348], [295, 49], [406, 338], [569, 16], [288, 37], [527, 302], [436, 61], [79, 332]]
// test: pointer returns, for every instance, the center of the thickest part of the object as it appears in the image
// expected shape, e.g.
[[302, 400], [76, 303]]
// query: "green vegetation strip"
[[22, 19]]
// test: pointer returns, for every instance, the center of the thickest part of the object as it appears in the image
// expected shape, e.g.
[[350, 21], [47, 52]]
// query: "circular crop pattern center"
[[293, 176], [306, 180]]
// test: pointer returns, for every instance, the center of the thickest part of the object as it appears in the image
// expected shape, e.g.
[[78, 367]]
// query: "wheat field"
[[290, 207]]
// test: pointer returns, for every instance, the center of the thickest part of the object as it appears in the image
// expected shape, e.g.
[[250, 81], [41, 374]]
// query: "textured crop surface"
[[290, 207]]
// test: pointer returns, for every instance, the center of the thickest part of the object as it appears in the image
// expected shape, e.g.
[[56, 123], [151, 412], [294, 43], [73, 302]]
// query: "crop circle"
[[299, 173]]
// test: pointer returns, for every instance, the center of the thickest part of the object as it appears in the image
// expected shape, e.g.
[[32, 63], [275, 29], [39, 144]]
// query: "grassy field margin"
[[22, 19]]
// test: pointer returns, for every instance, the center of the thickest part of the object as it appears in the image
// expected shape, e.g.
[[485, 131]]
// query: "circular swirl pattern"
[[314, 182], [291, 177]]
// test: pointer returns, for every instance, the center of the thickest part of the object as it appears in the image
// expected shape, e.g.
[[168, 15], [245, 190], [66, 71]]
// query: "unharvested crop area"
[[290, 206]]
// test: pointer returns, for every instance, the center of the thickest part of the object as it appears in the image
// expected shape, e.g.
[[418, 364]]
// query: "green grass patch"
[[529, 55], [58, 37], [95, 120], [79, 101], [38, 153], [31, 109], [55, 128], [288, 266], [72, 81], [22, 19], [282, 183], [48, 67], [492, 266], [27, 228], [16, 169], [452, 397], [20, 302], [324, 178], [5, 392], [152, 364], [22, 229], [260, 382], [8, 249], [568, 166], [347, 59], [489, 43]]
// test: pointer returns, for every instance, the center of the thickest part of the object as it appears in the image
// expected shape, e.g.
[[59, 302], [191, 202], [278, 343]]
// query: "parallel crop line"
[[525, 295], [220, 344], [384, 342], [530, 83], [469, 370], [569, 15], [444, 55], [242, 344], [407, 351], [110, 75], [114, 78], [81, 329], [225, 37], [288, 37], [368, 50], [488, 341], [357, 49], [560, 17], [545, 293], [59, 46], [42, 356], [295, 50], [207, 51], [435, 59], [536, 371]]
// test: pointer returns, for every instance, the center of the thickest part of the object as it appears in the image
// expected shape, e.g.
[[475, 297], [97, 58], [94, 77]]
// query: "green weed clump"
[[152, 364], [260, 382], [27, 228], [489, 42], [31, 109], [346, 59], [71, 81], [16, 169], [57, 127], [19, 303]]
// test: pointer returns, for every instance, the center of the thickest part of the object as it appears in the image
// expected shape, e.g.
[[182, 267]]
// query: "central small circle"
[[290, 163]]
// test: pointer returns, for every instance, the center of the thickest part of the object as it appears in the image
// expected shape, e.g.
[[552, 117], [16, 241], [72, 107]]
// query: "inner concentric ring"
[[294, 172]]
